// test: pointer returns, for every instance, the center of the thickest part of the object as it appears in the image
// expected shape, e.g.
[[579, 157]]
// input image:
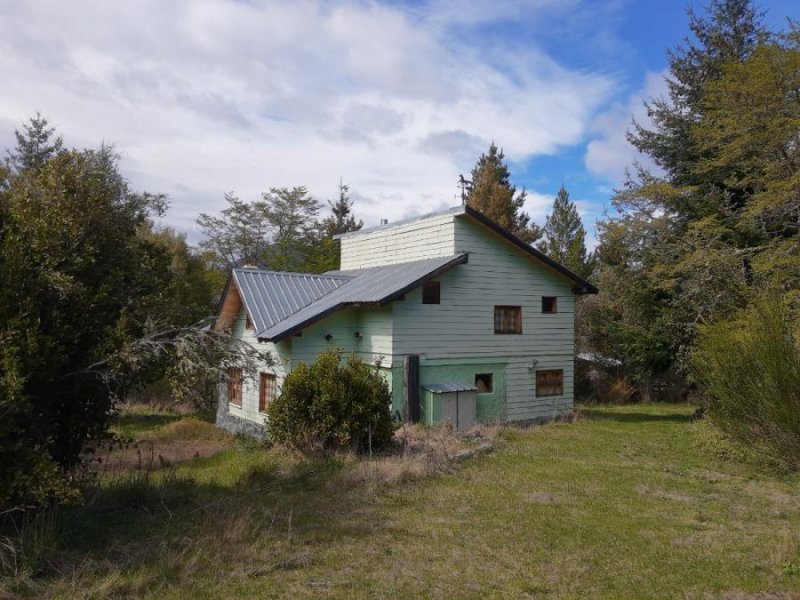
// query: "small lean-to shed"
[[453, 402]]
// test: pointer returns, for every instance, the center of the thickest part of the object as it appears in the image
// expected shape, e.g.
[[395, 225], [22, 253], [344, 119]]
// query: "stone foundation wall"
[[234, 423]]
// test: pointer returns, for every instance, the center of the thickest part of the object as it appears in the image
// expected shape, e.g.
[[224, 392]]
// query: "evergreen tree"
[[491, 192], [565, 237], [292, 213], [240, 235], [35, 144], [341, 219]]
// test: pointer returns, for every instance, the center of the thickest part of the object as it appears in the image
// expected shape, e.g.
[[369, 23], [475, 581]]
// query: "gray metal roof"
[[378, 285], [271, 296], [453, 386]]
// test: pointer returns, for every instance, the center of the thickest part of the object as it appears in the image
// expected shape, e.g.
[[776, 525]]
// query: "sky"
[[396, 99]]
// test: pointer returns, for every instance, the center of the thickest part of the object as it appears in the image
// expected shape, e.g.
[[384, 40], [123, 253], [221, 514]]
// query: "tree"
[[676, 253], [35, 144], [491, 193], [292, 214], [565, 237], [87, 281], [240, 235], [341, 220]]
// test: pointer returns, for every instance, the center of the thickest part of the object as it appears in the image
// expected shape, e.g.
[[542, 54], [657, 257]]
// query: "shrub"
[[750, 369], [332, 405]]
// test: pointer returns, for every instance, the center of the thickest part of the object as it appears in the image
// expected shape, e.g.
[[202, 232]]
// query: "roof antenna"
[[465, 184]]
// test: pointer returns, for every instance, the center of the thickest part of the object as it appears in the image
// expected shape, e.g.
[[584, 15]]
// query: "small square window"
[[550, 383], [235, 386], [507, 319], [549, 304], [483, 381], [431, 292], [267, 391]]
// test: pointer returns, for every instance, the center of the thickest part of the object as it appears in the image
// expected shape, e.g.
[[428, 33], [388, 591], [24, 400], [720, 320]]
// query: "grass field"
[[627, 502]]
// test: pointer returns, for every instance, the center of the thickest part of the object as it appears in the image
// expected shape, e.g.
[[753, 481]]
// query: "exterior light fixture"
[[532, 363], [328, 337]]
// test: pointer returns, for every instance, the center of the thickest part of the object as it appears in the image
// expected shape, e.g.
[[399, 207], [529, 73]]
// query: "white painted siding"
[[462, 326], [279, 353], [417, 240]]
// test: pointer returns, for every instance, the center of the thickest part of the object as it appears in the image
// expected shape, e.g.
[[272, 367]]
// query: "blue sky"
[[202, 97]]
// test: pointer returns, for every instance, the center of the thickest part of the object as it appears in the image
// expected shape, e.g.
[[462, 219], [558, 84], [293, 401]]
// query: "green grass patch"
[[627, 502]]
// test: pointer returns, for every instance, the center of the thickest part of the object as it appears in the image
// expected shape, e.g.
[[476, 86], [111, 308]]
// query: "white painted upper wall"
[[420, 239]]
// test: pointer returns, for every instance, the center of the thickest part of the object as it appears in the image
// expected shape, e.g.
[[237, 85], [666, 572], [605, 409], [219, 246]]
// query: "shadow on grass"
[[139, 423], [158, 522], [604, 414]]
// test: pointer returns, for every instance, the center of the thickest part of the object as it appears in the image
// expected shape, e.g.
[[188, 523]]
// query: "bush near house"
[[332, 405]]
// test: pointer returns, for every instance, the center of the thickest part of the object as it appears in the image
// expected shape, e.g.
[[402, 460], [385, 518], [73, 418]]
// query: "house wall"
[[462, 326], [247, 418], [417, 240]]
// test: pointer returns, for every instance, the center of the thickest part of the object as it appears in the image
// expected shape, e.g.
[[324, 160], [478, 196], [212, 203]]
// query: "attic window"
[[550, 383], [235, 386], [483, 381], [549, 304], [507, 319], [431, 292]]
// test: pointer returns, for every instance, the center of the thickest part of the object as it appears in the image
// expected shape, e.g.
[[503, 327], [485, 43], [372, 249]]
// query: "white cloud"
[[206, 96], [610, 154]]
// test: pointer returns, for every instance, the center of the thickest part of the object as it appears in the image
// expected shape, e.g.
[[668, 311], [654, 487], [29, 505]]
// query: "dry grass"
[[624, 503]]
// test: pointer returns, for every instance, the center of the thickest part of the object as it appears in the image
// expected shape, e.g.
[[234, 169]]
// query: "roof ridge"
[[289, 273]]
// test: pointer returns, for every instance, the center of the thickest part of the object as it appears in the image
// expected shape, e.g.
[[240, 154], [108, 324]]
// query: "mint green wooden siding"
[[462, 326], [489, 407]]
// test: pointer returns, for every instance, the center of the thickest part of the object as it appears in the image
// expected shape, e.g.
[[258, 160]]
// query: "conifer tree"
[[565, 236], [342, 219], [491, 193], [36, 144]]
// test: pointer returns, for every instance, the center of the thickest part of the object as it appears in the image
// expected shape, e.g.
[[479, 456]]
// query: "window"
[[267, 391], [549, 304], [550, 383], [235, 386], [507, 319], [431, 292], [483, 381]]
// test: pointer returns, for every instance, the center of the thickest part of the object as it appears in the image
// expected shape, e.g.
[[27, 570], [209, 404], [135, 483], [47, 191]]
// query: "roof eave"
[[581, 285], [458, 260]]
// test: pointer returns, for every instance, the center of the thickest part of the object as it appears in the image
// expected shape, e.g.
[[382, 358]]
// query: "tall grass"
[[750, 369]]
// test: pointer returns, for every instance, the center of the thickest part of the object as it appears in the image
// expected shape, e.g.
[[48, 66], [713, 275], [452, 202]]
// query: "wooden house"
[[464, 320]]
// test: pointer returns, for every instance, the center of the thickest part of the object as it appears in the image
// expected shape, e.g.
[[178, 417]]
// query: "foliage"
[[750, 368], [565, 236], [332, 405], [490, 192], [87, 274], [695, 241], [281, 231]]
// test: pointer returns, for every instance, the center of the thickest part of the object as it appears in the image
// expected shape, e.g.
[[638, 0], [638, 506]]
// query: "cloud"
[[206, 96], [609, 154]]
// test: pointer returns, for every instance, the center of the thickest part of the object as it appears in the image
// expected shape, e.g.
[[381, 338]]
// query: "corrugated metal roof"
[[453, 386], [271, 296], [377, 285]]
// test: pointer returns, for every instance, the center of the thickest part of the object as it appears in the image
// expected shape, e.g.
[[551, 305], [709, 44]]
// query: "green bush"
[[750, 369], [331, 405]]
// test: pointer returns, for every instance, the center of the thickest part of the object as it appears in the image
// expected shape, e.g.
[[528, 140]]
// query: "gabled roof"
[[580, 285], [271, 296], [377, 286]]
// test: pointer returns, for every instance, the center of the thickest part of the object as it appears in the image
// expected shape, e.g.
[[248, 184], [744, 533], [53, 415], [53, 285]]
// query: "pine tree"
[[35, 144], [491, 193], [565, 237], [341, 220]]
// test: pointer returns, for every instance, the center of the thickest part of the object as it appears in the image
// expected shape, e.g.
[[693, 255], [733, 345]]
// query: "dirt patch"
[[174, 443]]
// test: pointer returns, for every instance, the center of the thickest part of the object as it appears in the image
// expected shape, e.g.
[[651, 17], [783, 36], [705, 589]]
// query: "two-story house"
[[464, 320]]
